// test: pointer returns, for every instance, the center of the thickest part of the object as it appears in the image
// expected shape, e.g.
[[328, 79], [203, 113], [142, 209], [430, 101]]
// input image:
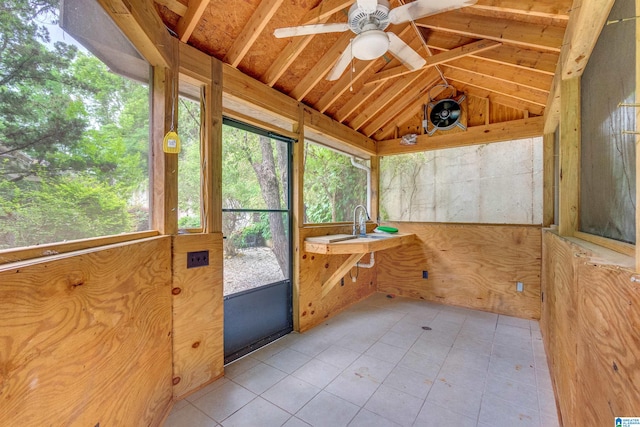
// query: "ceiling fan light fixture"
[[371, 44]]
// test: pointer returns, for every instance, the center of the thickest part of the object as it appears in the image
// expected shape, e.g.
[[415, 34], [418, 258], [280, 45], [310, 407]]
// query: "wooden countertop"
[[359, 245]]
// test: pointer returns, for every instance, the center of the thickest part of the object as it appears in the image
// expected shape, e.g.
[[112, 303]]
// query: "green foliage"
[[189, 176], [73, 136], [333, 187]]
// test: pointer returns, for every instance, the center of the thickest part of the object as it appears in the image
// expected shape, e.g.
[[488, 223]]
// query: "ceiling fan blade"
[[422, 8], [305, 30], [341, 64], [368, 6], [404, 53]]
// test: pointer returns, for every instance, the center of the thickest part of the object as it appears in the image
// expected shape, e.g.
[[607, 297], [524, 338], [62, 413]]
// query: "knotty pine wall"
[[314, 269], [85, 337], [473, 266], [590, 326], [198, 315]]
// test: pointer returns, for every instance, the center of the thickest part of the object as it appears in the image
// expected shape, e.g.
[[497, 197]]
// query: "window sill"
[[30, 252]]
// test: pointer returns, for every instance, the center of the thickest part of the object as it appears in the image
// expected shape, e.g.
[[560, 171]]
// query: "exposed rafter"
[[251, 31], [459, 52], [512, 32], [188, 22]]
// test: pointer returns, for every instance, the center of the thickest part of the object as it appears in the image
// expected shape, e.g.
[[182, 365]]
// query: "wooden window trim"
[[30, 252]]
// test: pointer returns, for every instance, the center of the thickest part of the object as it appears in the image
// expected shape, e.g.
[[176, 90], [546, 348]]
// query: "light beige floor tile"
[[339, 357], [513, 392], [317, 373], [433, 415], [369, 419], [259, 378], [395, 405], [408, 381], [258, 412], [224, 401], [288, 360], [189, 416], [386, 352], [496, 412], [207, 389], [291, 394], [459, 399], [327, 410]]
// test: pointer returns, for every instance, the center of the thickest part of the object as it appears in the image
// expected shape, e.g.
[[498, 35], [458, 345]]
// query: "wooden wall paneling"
[[477, 111], [562, 300], [86, 337], [474, 266], [569, 156], [198, 353], [589, 326], [608, 344], [315, 269]]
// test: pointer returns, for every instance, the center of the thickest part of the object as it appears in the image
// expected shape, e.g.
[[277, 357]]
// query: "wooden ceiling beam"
[[496, 132], [551, 9], [506, 88], [502, 30], [188, 22], [441, 58], [504, 72], [389, 130], [386, 97], [141, 24], [359, 98], [321, 68], [174, 6], [586, 21], [251, 31], [543, 62], [494, 98], [392, 109], [318, 15]]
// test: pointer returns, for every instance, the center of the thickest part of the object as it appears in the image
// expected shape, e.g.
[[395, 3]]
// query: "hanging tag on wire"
[[171, 143]]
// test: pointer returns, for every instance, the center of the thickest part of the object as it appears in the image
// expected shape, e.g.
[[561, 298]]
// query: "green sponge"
[[387, 229]]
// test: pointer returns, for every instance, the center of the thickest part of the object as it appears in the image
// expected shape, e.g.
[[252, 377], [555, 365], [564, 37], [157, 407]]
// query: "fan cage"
[[358, 19]]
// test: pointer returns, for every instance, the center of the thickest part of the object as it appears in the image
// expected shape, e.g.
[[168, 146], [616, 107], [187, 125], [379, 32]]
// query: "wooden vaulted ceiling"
[[501, 53]]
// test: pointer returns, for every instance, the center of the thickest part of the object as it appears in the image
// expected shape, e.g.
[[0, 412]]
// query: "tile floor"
[[386, 362]]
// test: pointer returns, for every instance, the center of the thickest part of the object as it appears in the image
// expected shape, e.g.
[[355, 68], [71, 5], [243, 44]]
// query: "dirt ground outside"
[[250, 268]]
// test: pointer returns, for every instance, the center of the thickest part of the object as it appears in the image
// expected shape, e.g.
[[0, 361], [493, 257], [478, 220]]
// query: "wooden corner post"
[[569, 156]]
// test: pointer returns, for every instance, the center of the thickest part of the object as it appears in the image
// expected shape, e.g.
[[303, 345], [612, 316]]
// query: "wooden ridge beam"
[[251, 31], [188, 22], [552, 9], [321, 68], [520, 33], [318, 15], [459, 52], [496, 132]]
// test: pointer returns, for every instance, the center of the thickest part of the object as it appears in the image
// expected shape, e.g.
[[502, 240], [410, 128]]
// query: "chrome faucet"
[[362, 221]]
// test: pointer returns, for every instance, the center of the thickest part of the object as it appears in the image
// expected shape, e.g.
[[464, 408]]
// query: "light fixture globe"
[[370, 44]]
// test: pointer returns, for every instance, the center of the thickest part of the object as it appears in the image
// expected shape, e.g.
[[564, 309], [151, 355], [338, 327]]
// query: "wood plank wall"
[[474, 266], [86, 337], [198, 345], [589, 322], [316, 268]]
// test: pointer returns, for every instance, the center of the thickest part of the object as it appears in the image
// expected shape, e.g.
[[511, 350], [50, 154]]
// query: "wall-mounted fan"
[[368, 19], [444, 114]]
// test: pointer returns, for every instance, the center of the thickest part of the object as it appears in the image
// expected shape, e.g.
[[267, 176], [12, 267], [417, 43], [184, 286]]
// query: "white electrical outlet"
[[519, 286]]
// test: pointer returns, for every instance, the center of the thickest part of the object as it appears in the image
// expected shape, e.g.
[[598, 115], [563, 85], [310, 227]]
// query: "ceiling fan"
[[368, 19]]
